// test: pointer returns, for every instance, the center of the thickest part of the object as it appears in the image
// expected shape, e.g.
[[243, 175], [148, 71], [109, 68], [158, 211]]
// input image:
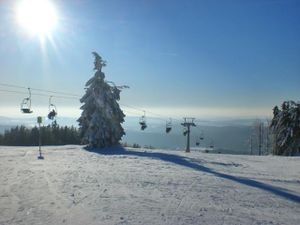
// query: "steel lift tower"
[[187, 123]]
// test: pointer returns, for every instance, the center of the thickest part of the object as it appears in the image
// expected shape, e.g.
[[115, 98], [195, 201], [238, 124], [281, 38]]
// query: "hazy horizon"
[[227, 135]]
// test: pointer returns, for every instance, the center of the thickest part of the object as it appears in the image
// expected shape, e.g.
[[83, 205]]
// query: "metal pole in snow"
[[39, 120], [259, 139]]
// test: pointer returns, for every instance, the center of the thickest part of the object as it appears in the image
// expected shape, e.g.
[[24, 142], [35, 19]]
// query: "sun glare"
[[38, 17]]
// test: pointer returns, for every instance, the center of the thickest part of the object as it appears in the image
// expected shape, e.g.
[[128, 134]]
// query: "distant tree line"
[[135, 145], [50, 135]]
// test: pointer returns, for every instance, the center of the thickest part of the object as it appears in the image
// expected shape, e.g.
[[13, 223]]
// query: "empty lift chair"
[[26, 104]]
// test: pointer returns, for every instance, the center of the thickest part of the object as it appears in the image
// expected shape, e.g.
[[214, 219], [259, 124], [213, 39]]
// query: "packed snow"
[[138, 186]]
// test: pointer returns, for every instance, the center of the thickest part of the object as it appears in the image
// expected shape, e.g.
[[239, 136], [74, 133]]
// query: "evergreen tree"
[[285, 127], [101, 118]]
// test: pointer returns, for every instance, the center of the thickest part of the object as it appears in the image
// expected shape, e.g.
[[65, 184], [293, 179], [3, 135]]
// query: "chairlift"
[[26, 104], [201, 136], [143, 122], [200, 139], [169, 126], [52, 110], [185, 131]]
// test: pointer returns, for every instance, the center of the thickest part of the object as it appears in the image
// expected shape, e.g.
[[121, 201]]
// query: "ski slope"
[[136, 186]]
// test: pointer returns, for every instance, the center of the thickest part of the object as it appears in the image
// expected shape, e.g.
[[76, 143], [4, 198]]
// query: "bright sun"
[[38, 17]]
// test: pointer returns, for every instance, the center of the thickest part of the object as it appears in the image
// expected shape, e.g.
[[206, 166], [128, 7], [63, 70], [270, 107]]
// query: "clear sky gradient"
[[226, 58]]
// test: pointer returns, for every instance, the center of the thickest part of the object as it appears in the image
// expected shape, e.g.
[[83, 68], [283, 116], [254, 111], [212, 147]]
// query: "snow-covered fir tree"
[[285, 127], [101, 118]]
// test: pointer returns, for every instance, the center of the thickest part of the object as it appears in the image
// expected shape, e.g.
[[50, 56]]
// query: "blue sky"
[[230, 58]]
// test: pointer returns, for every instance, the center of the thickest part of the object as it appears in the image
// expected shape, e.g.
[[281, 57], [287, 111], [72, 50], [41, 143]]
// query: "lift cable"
[[66, 95], [43, 95], [40, 90]]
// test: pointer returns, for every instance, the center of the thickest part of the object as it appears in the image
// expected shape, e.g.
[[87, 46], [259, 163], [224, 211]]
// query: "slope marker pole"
[[39, 120]]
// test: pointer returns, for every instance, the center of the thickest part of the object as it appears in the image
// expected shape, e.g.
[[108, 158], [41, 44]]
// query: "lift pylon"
[[187, 123]]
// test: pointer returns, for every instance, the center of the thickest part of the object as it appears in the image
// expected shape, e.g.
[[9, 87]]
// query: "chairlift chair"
[[168, 129], [26, 104], [143, 122], [168, 126], [201, 136], [200, 139], [185, 131], [52, 110]]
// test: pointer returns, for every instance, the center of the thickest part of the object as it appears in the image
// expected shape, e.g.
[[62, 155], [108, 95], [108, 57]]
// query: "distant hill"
[[225, 135], [235, 139]]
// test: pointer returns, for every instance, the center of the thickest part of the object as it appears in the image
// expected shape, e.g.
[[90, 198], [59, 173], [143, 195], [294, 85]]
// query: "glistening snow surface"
[[75, 186]]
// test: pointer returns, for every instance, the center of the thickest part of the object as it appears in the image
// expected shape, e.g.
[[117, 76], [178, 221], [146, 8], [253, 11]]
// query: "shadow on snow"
[[183, 161]]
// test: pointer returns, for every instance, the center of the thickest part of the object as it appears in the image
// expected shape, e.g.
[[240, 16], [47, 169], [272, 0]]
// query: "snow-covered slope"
[[75, 186]]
